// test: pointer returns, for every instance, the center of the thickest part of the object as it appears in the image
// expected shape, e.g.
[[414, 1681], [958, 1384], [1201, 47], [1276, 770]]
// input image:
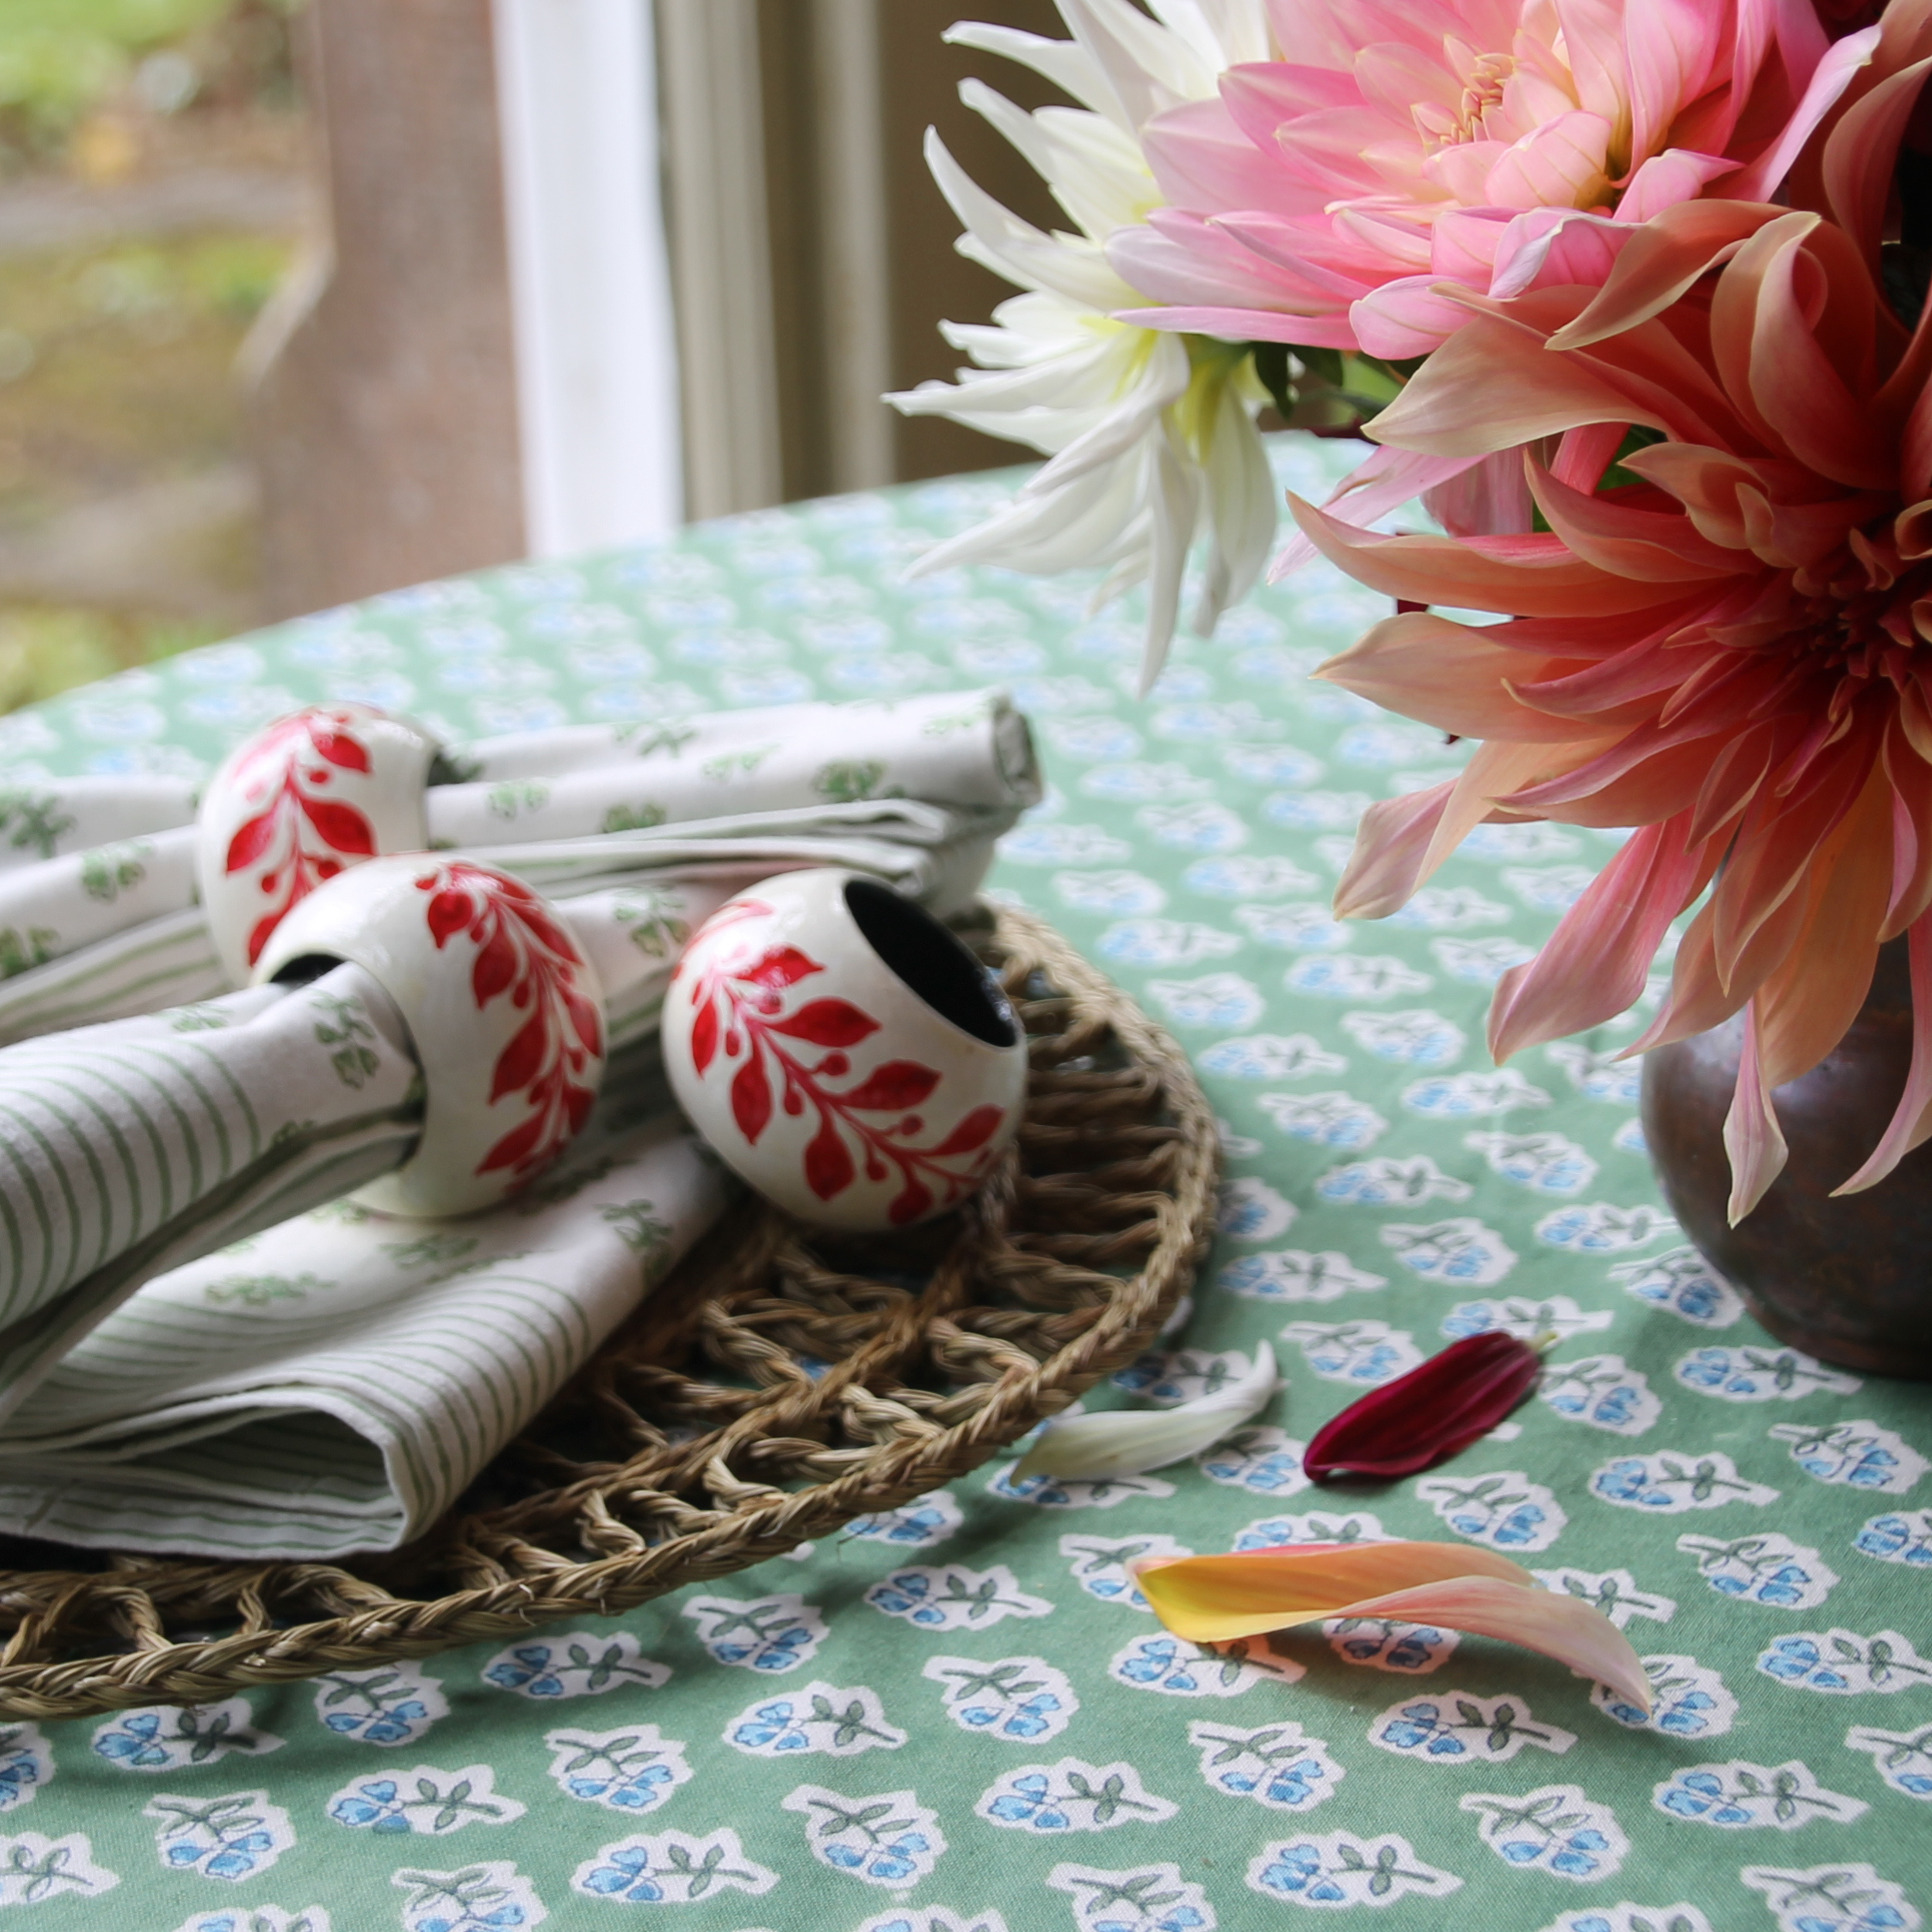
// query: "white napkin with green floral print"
[[98, 915]]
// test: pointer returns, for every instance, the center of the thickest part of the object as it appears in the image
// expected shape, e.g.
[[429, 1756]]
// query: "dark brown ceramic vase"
[[1848, 1280]]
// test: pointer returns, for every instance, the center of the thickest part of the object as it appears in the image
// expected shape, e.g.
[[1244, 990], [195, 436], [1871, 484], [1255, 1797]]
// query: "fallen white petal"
[[1128, 1442]]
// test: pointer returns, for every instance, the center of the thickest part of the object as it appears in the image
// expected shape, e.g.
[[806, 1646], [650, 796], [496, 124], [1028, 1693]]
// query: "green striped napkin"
[[127, 1147], [335, 1383]]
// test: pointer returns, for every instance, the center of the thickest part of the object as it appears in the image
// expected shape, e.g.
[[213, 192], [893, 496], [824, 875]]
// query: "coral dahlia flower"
[[1731, 652]]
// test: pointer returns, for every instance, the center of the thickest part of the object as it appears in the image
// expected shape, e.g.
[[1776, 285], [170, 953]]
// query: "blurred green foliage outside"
[[125, 532], [60, 59]]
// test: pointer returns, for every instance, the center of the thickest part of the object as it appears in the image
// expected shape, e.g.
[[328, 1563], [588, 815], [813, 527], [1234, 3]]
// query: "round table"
[[961, 1718]]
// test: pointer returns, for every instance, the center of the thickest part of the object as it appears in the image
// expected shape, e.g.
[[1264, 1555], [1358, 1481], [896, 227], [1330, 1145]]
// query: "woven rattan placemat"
[[777, 1385]]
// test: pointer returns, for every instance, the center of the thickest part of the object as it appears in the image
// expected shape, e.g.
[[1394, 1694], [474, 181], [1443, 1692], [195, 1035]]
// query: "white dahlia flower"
[[1151, 436]]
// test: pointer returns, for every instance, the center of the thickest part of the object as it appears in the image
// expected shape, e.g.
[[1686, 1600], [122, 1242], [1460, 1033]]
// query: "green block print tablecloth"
[[959, 1719]]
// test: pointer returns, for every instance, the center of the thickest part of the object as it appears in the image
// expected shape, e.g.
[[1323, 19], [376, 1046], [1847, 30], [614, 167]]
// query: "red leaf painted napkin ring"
[[503, 1010], [307, 798], [842, 1051]]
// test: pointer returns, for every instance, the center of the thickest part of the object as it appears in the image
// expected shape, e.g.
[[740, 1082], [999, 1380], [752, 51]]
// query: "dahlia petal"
[[1593, 967], [1798, 393], [1733, 316], [1071, 528], [1736, 772], [1177, 505], [1833, 75], [1461, 171], [1860, 151], [1915, 449], [1064, 63], [1387, 241], [1455, 406], [1583, 453], [1435, 1412], [1241, 510], [1778, 842], [1627, 751], [1148, 68], [1594, 34], [1662, 259], [1490, 496], [1602, 638], [1547, 247], [1659, 787], [1494, 771], [1795, 536], [1189, 260], [1264, 96], [1804, 1008], [1113, 1443], [1446, 675], [1910, 778], [1201, 1598], [1246, 324], [1217, 1599], [1331, 263], [1797, 31], [1745, 970], [1912, 369], [1391, 843], [1737, 502], [1911, 1122], [1666, 45], [1649, 544], [1654, 381], [1677, 175], [1752, 1136], [1163, 380], [1378, 20], [1914, 719], [1606, 686], [1531, 576], [1016, 250], [1699, 998], [1397, 77], [1409, 316], [1464, 243], [1237, 30], [1385, 480], [1560, 164], [1202, 160]]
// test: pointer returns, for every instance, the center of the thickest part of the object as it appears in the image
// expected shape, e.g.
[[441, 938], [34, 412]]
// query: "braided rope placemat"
[[776, 1385]]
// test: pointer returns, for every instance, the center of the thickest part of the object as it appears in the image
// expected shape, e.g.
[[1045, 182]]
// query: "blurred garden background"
[[151, 196], [302, 301]]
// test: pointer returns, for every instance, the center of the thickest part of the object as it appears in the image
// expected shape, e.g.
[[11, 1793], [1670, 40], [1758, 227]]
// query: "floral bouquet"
[[1632, 293]]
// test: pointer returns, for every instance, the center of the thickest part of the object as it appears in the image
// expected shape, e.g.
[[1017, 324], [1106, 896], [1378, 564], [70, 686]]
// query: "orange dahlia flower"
[[1732, 652]]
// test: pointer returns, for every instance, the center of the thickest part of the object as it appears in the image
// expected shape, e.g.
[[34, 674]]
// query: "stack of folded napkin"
[[183, 1366]]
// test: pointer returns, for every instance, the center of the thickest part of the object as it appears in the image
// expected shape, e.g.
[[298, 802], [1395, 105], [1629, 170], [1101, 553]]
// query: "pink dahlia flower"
[[1732, 654], [1323, 197]]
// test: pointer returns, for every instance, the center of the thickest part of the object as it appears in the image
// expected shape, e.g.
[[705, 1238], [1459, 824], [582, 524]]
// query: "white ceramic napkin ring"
[[305, 798], [842, 1051], [503, 1010]]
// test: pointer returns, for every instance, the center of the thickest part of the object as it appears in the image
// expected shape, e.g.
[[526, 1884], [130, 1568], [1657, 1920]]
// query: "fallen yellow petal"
[[1261, 1589], [1213, 1600]]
